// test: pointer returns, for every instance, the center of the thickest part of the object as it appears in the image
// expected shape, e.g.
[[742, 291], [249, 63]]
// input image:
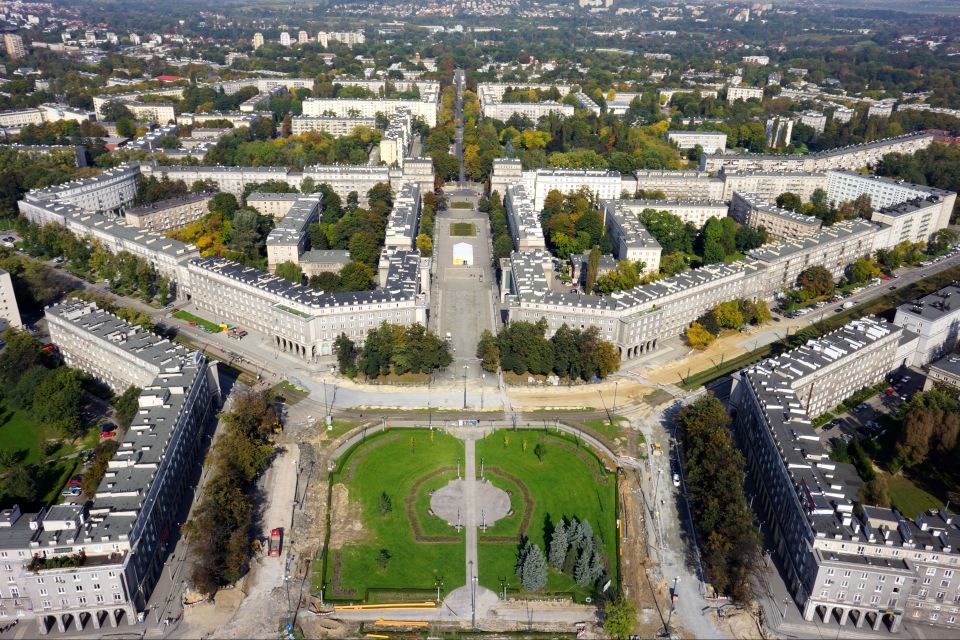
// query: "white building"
[[814, 119], [9, 309], [709, 141], [631, 240], [844, 186], [257, 40], [696, 212], [285, 39], [523, 219], [743, 92], [934, 317], [334, 125]]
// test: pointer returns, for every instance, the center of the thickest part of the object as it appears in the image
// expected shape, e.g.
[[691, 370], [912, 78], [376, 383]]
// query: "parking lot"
[[866, 418]]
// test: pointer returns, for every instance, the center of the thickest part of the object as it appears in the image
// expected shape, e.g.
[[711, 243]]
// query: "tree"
[[356, 276], [581, 571], [488, 351], [862, 270], [346, 353], [20, 484], [532, 568], [728, 314], [21, 396], [558, 546], [816, 281], [62, 396], [244, 234], [698, 337], [789, 201], [385, 503], [223, 204], [126, 405], [593, 269], [424, 245], [874, 492], [21, 352], [290, 271], [620, 617]]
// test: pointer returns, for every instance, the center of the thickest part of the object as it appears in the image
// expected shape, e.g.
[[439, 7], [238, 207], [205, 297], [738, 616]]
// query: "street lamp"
[[786, 601], [465, 367], [673, 600]]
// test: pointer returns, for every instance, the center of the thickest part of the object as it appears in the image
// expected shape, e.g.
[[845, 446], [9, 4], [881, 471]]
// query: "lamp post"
[[616, 383], [673, 599], [465, 367], [786, 601]]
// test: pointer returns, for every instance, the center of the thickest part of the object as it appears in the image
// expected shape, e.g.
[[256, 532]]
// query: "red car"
[[108, 434]]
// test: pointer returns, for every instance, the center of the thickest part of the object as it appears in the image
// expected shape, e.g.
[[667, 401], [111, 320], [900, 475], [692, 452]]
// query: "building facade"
[[9, 309], [165, 215], [749, 209], [709, 141]]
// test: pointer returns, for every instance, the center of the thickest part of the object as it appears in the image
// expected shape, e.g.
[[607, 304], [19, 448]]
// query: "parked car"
[[676, 479], [107, 434], [106, 426], [71, 491]]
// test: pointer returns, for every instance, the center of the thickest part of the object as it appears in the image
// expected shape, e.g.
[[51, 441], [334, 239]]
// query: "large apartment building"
[[935, 319], [173, 213], [631, 240], [490, 95], [753, 211], [334, 125], [850, 158], [523, 220], [96, 565], [424, 107], [709, 141], [843, 186], [305, 322], [696, 212], [865, 566]]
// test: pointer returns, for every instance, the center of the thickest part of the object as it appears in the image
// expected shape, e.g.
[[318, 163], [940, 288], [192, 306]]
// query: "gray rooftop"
[[933, 306], [293, 227]]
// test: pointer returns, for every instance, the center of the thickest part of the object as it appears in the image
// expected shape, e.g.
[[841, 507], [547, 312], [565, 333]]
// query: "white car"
[[676, 479]]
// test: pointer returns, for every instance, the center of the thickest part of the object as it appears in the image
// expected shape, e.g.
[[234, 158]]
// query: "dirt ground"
[[634, 558], [577, 397], [346, 522], [696, 361]]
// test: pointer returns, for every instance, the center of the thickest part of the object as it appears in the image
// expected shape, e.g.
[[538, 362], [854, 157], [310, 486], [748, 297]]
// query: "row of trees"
[[713, 472], [500, 230], [220, 530], [127, 274], [314, 147], [726, 315], [828, 212], [522, 347], [392, 348], [719, 240], [572, 223]]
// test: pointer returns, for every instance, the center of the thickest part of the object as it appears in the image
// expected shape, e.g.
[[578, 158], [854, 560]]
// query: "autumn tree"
[[698, 337]]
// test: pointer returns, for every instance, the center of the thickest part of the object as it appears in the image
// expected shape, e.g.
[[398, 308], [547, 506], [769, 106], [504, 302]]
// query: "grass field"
[[393, 463], [908, 498], [460, 204], [186, 316], [568, 482], [23, 437], [463, 229]]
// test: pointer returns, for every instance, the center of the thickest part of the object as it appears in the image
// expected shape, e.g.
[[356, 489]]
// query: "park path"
[[470, 504]]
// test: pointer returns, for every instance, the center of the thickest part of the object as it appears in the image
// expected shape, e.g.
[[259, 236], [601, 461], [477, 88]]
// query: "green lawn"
[[463, 229], [564, 484], [908, 498], [393, 463], [20, 434], [186, 316], [461, 204]]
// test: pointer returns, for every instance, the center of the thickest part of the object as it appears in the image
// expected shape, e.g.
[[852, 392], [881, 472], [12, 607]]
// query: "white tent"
[[463, 253]]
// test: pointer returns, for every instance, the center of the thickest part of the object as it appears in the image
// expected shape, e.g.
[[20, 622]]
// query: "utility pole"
[[673, 600]]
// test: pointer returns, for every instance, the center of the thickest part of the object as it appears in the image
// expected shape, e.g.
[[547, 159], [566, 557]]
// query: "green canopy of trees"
[[523, 347], [713, 472]]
